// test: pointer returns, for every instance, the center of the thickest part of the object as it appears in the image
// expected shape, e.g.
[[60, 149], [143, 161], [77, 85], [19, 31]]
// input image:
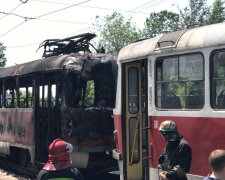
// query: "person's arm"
[[77, 174], [161, 161], [184, 165]]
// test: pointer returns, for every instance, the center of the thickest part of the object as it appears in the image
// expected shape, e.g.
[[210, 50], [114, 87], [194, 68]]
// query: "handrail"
[[134, 140]]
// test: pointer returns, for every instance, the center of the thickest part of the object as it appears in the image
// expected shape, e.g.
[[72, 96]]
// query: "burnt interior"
[[89, 113], [76, 102]]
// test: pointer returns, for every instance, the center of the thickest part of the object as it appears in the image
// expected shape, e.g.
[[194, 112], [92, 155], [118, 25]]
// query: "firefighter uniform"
[[64, 174], [175, 160]]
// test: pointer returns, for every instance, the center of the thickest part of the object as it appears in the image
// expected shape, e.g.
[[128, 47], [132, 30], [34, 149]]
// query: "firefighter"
[[59, 163], [175, 160]]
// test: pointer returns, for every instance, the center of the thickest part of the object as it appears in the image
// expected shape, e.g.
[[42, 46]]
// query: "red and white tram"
[[179, 76]]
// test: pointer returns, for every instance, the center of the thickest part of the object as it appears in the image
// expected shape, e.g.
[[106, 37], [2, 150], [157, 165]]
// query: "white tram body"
[[178, 76]]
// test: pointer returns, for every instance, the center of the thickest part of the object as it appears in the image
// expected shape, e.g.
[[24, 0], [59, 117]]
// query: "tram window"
[[134, 151], [10, 93], [133, 97], [180, 82], [25, 92], [90, 93], [218, 80], [43, 96], [53, 95], [25, 97], [1, 94]]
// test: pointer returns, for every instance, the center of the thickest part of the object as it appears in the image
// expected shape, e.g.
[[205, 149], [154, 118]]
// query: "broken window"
[[90, 92], [47, 90], [1, 94], [43, 94], [25, 92], [10, 93]]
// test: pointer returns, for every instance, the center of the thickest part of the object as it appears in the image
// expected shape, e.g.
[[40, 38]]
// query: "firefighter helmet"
[[169, 131], [168, 125], [59, 155]]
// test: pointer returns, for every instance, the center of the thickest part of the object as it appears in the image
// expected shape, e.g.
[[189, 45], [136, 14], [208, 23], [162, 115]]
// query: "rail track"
[[17, 170]]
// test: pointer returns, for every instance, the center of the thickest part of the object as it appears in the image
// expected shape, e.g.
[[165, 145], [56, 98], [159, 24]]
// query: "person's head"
[[59, 155], [217, 163], [169, 131]]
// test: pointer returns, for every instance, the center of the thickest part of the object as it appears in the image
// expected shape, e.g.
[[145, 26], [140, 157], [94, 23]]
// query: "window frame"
[[155, 79], [21, 78], [138, 96], [213, 52]]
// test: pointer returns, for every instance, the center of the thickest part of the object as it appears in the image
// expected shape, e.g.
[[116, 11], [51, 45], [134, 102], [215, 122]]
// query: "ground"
[[10, 176], [5, 176]]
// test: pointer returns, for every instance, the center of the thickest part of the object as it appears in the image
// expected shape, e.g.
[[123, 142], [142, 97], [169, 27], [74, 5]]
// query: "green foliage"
[[115, 32], [2, 55], [161, 23], [217, 13], [195, 15], [90, 92]]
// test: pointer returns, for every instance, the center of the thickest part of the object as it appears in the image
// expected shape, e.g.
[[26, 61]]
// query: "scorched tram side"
[[68, 96], [178, 76]]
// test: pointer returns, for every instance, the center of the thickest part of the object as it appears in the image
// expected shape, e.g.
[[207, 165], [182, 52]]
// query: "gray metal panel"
[[202, 37], [170, 39]]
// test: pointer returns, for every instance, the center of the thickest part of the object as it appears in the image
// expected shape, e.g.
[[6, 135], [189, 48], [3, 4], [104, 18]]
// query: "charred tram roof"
[[53, 63]]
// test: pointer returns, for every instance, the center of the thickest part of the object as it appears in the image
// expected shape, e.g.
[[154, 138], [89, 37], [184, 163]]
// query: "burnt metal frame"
[[68, 45]]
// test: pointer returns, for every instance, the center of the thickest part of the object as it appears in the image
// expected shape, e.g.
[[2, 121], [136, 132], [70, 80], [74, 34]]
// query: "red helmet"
[[59, 155]]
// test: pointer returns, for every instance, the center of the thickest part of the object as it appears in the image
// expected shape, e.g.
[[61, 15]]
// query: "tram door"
[[134, 121]]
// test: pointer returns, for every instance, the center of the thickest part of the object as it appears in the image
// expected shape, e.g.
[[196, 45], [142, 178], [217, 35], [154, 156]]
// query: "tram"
[[178, 76], [67, 94]]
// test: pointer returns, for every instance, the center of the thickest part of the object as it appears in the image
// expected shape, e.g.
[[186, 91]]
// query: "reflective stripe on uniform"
[[179, 171]]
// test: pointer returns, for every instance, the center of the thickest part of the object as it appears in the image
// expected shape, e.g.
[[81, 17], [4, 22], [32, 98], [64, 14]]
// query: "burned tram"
[[67, 94]]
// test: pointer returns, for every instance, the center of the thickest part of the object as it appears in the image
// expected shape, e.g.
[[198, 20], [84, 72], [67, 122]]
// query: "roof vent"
[[169, 40]]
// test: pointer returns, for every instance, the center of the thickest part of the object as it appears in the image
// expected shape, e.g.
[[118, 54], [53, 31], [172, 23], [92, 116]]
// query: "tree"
[[217, 13], [195, 15], [161, 23], [2, 55], [115, 32]]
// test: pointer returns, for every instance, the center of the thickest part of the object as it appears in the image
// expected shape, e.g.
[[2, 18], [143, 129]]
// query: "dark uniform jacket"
[[64, 174], [176, 160]]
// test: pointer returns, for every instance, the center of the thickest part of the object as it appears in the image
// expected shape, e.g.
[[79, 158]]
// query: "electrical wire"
[[16, 15], [11, 11], [27, 18], [61, 21], [93, 7], [22, 46], [13, 28], [61, 9]]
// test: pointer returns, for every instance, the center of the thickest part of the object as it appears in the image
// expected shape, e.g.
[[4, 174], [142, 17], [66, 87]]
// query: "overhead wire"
[[153, 3], [21, 46], [46, 14], [11, 11], [16, 15], [13, 28], [27, 18], [156, 3], [61, 21], [93, 7]]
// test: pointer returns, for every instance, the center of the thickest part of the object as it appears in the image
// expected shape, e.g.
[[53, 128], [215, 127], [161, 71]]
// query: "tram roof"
[[205, 36], [52, 63]]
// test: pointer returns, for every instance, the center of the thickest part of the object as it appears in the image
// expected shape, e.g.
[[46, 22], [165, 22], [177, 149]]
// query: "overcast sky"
[[23, 41]]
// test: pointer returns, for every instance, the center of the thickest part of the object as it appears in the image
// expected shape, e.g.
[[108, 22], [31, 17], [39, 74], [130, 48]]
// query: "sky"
[[21, 33]]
